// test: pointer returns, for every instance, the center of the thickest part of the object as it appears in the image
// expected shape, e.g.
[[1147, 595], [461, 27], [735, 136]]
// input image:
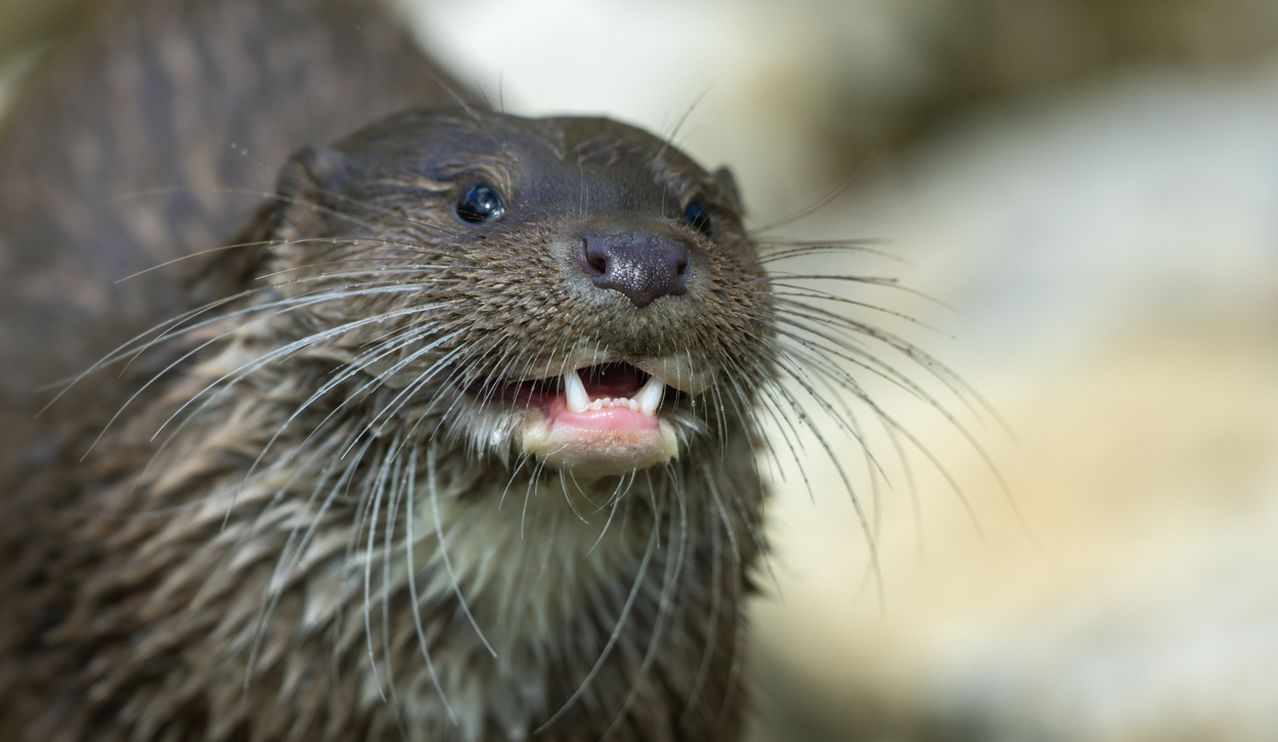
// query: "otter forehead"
[[581, 164]]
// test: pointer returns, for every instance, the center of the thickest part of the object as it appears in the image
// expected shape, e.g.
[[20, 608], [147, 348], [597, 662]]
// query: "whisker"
[[612, 638], [776, 277], [778, 251], [378, 490], [669, 585], [847, 182], [411, 564], [433, 488]]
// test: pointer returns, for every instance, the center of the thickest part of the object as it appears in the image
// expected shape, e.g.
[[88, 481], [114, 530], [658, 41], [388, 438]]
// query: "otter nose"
[[639, 263]]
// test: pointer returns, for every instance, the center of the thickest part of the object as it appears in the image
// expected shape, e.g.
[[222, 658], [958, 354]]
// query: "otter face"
[[570, 291]]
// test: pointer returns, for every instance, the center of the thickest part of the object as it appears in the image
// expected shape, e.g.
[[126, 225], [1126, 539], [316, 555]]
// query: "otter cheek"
[[599, 443]]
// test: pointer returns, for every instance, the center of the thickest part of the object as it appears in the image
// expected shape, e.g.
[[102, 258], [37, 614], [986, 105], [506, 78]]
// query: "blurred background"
[[1091, 187]]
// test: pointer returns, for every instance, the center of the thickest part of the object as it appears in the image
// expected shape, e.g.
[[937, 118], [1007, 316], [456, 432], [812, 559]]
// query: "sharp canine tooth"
[[649, 397], [575, 392], [646, 400]]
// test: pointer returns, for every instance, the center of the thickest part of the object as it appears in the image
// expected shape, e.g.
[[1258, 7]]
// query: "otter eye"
[[696, 215], [480, 204]]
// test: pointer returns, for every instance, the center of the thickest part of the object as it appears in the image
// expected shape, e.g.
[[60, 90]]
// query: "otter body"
[[454, 439], [153, 130]]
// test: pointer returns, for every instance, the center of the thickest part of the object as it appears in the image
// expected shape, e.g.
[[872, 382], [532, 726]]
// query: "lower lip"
[[606, 419], [611, 441]]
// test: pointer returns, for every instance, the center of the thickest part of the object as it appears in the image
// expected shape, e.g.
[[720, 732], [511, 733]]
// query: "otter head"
[[572, 291]]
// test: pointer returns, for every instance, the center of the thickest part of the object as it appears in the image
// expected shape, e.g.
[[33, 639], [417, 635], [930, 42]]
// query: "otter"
[[443, 459], [458, 437], [453, 441]]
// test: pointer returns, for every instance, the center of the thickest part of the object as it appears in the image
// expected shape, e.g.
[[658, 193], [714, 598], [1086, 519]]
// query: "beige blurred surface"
[[1113, 255], [1094, 188]]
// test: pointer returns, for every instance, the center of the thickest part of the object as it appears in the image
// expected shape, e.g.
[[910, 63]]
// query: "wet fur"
[[248, 522]]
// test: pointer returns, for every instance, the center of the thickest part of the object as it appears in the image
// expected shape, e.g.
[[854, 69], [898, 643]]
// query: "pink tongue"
[[609, 418]]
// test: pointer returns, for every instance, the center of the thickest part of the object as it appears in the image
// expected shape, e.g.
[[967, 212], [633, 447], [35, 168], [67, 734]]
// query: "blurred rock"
[[1112, 253]]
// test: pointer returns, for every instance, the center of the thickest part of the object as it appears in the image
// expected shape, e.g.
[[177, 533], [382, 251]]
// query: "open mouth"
[[596, 420]]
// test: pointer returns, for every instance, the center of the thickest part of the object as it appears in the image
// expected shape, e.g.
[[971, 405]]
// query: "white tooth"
[[575, 392], [649, 397]]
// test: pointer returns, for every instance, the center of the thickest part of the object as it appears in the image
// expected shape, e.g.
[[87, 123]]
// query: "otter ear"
[[316, 174], [308, 190], [728, 184]]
